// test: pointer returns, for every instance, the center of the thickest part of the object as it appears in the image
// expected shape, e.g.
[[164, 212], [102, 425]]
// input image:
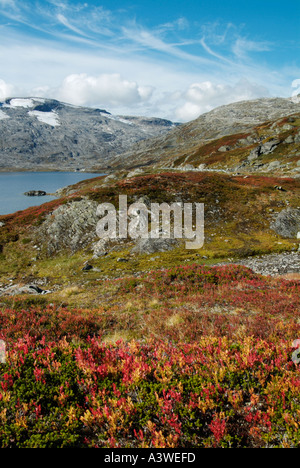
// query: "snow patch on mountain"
[[116, 118], [20, 103], [50, 118], [3, 115]]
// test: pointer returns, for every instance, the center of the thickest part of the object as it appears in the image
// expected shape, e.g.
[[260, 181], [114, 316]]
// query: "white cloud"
[[63, 20], [105, 89], [242, 46], [143, 38], [203, 97], [91, 56], [188, 111], [6, 90], [179, 24], [7, 3], [214, 54]]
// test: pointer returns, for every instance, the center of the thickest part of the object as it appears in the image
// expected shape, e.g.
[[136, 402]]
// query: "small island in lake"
[[35, 193]]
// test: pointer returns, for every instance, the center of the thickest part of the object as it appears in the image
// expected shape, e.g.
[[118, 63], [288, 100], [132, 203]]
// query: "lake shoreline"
[[14, 186], [9, 170]]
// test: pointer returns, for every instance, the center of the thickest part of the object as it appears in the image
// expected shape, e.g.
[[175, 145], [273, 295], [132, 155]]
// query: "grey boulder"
[[287, 223]]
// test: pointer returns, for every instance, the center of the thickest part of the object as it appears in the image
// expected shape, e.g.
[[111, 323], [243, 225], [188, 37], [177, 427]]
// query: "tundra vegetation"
[[163, 349]]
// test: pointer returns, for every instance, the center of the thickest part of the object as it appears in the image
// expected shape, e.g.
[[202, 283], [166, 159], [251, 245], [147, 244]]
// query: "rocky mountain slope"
[[262, 135], [47, 134]]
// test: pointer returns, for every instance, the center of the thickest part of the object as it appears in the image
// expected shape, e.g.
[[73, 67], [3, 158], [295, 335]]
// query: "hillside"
[[143, 343], [261, 136], [127, 345], [43, 134], [244, 216]]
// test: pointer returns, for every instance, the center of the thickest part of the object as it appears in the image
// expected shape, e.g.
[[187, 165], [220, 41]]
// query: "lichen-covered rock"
[[18, 289], [269, 146], [223, 149], [273, 165], [289, 140], [134, 173], [71, 227], [254, 154], [297, 138], [100, 248], [287, 223]]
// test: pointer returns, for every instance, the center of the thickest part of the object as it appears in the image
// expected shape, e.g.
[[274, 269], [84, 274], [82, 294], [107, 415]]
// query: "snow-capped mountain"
[[43, 134]]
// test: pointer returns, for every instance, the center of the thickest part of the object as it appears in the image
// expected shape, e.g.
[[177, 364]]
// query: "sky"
[[164, 58]]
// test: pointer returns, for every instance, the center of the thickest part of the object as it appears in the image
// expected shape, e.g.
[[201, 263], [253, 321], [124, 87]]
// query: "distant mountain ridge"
[[233, 137], [46, 134]]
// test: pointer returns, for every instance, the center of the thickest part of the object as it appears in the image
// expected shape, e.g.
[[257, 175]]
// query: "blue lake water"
[[13, 185]]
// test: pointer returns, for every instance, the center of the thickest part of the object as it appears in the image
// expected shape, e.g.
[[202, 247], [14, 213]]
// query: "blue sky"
[[172, 59]]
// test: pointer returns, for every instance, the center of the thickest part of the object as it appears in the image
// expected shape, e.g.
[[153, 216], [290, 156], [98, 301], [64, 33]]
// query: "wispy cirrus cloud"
[[230, 40], [8, 4], [154, 41], [65, 22], [213, 53], [179, 24], [146, 39], [242, 47], [91, 55], [10, 9], [49, 17], [83, 20]]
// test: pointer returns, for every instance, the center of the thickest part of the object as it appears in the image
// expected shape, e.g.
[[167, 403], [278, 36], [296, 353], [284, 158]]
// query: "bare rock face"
[[287, 223], [47, 134]]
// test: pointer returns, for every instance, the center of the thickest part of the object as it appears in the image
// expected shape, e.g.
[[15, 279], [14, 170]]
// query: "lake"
[[13, 185]]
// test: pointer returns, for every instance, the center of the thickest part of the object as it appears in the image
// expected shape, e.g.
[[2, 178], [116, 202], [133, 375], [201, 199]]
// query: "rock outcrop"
[[18, 289], [287, 223], [71, 227]]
